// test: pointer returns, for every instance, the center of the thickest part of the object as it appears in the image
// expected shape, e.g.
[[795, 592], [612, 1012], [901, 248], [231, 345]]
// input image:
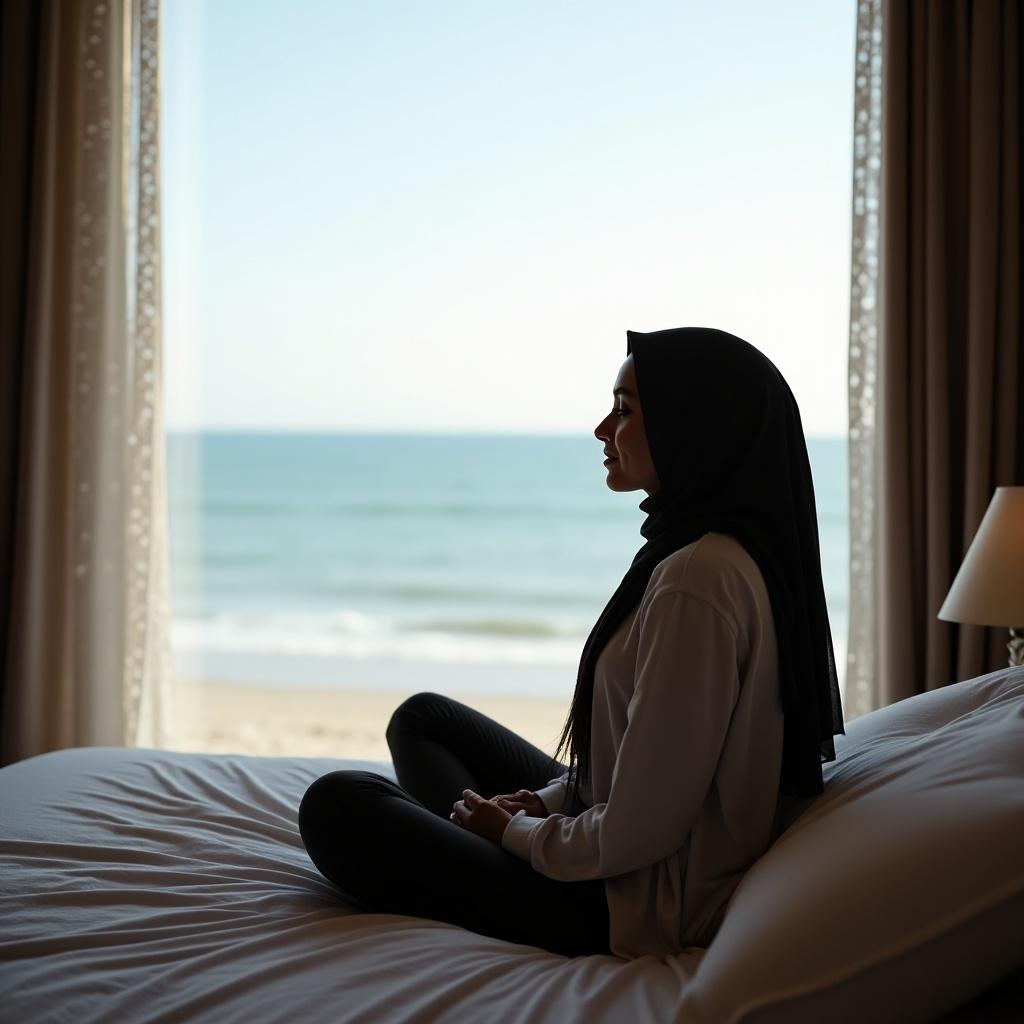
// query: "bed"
[[146, 885]]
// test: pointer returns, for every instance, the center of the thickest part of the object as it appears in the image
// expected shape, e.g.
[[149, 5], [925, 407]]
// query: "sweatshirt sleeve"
[[687, 684], [553, 794]]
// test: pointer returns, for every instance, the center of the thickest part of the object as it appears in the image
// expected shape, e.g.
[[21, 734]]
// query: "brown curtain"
[[20, 88], [83, 604], [949, 362]]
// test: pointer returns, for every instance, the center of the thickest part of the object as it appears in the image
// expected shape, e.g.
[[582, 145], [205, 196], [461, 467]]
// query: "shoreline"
[[228, 717]]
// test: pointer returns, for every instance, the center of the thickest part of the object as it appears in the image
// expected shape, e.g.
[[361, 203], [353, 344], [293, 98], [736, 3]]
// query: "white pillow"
[[898, 894]]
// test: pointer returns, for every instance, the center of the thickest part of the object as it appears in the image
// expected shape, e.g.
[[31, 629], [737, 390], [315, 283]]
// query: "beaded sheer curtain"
[[861, 662], [88, 655], [146, 673]]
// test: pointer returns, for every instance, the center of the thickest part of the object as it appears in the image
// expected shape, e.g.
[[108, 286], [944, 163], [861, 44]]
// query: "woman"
[[706, 696]]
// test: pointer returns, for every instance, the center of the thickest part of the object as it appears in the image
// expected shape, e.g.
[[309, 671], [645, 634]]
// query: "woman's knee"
[[337, 795], [415, 710]]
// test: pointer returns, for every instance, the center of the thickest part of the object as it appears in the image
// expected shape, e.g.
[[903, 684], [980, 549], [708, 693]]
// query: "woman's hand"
[[484, 817], [522, 799]]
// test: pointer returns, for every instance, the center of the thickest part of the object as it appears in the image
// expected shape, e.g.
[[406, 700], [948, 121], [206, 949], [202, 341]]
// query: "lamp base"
[[1016, 647]]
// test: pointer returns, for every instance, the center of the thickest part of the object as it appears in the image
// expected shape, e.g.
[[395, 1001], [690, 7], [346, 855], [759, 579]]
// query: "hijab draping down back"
[[728, 446]]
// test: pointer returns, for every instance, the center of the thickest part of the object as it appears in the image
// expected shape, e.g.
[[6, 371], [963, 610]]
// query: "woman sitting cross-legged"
[[706, 697]]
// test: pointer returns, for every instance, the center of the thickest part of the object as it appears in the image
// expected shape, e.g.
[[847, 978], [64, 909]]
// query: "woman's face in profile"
[[625, 442]]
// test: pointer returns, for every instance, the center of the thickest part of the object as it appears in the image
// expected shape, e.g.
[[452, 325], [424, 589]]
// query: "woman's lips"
[[611, 458]]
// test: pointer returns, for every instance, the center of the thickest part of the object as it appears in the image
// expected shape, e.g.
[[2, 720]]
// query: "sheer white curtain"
[[861, 691], [87, 653], [147, 673]]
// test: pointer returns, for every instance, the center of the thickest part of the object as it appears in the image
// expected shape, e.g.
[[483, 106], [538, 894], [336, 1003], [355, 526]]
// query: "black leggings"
[[393, 849]]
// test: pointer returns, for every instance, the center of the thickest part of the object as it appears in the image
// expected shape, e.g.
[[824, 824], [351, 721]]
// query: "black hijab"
[[726, 440]]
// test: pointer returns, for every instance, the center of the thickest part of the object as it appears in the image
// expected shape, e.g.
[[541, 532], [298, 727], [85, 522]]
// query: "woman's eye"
[[621, 412]]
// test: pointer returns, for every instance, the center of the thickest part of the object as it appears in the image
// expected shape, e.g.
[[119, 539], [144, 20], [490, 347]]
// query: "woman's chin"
[[615, 481]]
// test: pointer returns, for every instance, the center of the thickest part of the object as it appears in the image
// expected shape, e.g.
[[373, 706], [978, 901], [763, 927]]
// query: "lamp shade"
[[989, 588]]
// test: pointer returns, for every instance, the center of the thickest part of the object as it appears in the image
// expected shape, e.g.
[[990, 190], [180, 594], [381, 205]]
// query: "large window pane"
[[403, 245]]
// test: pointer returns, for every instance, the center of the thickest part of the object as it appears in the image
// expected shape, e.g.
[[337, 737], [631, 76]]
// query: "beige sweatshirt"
[[686, 755]]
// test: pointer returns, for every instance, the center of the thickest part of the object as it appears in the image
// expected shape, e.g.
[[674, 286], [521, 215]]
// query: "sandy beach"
[[227, 717]]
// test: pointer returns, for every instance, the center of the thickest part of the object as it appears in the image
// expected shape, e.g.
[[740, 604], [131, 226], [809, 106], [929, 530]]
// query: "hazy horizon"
[[425, 432]]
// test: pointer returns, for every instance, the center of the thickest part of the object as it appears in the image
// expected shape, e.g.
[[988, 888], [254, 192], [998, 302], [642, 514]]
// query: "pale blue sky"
[[399, 215]]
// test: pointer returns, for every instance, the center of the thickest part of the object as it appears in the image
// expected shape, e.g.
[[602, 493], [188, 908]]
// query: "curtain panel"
[[936, 360], [84, 600]]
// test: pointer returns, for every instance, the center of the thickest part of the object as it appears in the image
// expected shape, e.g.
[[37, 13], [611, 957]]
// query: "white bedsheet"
[[143, 885]]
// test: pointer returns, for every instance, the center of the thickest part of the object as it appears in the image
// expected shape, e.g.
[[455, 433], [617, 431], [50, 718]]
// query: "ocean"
[[474, 563]]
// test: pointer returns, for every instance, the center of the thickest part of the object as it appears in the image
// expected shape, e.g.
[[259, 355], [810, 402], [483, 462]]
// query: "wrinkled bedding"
[[147, 885]]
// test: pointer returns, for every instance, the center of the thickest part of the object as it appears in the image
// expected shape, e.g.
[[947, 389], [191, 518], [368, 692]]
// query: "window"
[[403, 246]]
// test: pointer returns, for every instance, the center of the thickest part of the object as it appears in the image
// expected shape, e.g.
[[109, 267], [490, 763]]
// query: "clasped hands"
[[488, 818]]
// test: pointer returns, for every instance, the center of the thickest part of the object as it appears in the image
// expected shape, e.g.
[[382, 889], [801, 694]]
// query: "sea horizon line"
[[406, 433]]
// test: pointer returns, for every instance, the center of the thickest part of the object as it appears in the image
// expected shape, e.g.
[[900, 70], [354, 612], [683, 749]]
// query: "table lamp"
[[989, 588]]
